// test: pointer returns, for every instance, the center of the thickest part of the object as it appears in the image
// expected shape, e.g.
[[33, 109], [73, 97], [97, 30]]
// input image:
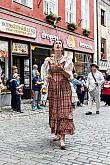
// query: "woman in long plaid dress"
[[60, 96]]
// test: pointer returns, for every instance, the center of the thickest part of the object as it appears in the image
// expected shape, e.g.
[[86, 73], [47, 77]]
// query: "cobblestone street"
[[25, 139]]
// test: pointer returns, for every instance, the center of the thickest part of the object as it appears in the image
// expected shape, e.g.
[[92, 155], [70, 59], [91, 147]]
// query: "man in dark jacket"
[[14, 70], [16, 92]]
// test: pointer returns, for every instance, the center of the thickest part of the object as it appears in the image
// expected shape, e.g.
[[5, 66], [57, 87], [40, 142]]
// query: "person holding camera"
[[94, 81]]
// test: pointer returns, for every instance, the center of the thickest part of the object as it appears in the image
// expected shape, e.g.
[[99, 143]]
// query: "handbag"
[[44, 90], [94, 92]]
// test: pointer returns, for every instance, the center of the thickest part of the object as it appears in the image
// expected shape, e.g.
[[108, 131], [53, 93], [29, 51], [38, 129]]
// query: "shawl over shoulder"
[[68, 65]]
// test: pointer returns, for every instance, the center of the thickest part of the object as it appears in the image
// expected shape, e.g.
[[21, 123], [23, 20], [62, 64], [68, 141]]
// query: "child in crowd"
[[37, 86]]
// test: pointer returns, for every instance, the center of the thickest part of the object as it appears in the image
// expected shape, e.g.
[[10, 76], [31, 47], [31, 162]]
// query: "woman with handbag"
[[60, 95]]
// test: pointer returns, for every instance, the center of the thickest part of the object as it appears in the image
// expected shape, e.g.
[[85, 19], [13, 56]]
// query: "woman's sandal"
[[62, 146], [56, 138]]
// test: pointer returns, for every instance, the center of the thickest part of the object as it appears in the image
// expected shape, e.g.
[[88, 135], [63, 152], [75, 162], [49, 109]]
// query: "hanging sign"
[[71, 41]]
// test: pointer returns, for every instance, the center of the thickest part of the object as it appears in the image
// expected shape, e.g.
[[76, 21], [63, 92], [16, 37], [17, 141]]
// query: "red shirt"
[[106, 88]]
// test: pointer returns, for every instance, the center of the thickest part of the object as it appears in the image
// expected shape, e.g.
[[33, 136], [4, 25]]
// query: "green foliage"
[[53, 18]]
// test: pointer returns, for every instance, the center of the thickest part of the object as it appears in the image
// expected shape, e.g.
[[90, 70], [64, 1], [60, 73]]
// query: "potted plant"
[[86, 32], [52, 18], [72, 26]]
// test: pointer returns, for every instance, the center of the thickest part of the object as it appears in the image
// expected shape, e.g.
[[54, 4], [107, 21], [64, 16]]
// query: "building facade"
[[29, 28], [103, 23]]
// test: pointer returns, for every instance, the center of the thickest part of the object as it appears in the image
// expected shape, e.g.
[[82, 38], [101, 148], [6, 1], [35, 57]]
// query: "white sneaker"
[[83, 105]]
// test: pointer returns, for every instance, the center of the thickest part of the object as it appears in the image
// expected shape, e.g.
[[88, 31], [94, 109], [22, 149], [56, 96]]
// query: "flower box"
[[52, 18], [72, 26], [86, 32]]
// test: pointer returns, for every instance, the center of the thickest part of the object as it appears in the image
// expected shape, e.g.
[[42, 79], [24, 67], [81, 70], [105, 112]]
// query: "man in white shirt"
[[34, 71], [94, 81]]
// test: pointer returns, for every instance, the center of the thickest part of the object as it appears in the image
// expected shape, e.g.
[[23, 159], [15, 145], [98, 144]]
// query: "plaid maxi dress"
[[60, 103]]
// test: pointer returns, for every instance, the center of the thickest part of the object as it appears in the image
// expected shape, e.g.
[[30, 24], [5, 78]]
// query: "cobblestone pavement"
[[25, 139]]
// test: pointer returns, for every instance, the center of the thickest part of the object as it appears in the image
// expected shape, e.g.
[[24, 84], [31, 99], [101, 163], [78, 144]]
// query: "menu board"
[[26, 74], [20, 48]]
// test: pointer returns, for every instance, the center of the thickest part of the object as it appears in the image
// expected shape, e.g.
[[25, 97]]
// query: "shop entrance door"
[[39, 55], [19, 62], [24, 70]]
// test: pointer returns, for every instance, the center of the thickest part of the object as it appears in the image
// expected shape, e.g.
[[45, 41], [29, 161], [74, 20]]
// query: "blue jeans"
[[36, 98]]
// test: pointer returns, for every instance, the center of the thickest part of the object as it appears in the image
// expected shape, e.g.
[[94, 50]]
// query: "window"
[[82, 63], [28, 3], [102, 17], [3, 60], [103, 49], [85, 14], [70, 11], [51, 5]]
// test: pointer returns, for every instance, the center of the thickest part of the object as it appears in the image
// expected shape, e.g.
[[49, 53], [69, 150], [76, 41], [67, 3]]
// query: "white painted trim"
[[30, 3], [73, 11], [56, 6]]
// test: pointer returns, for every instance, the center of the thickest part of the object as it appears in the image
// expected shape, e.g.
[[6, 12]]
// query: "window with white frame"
[[51, 6], [28, 3], [70, 11], [85, 14]]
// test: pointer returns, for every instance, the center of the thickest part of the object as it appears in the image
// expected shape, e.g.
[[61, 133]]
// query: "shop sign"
[[87, 46], [3, 49], [71, 41], [20, 48], [49, 37], [104, 64], [15, 28]]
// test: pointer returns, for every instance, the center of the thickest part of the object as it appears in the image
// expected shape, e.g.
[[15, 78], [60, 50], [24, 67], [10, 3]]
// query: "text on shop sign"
[[83, 45], [50, 37], [15, 28]]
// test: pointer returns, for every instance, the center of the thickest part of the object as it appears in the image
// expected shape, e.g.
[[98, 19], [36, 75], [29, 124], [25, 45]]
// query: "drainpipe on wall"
[[97, 23]]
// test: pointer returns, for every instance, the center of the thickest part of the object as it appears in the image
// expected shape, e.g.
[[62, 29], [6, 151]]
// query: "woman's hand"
[[60, 67], [66, 74], [22, 85]]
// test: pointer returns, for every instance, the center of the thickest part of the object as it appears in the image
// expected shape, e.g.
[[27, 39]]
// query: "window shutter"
[[30, 3], [87, 13], [51, 5], [46, 6], [74, 11], [70, 11], [56, 9], [83, 13]]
